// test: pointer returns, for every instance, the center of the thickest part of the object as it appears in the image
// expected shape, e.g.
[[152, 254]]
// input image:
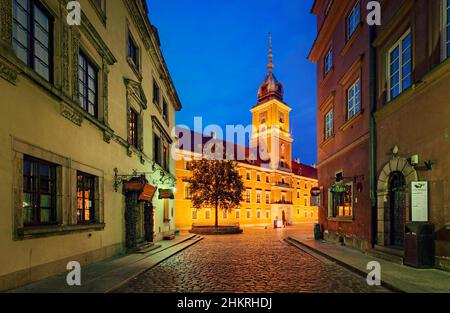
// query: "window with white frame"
[[353, 20], [445, 29], [267, 197], [328, 62], [329, 124], [248, 195], [399, 71], [354, 100], [258, 196]]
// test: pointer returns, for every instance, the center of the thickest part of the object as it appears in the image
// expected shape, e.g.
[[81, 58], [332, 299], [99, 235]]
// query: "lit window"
[[341, 203], [85, 198], [329, 124], [328, 62], [353, 20], [248, 195], [32, 36], [353, 100], [400, 66], [258, 197], [134, 128]]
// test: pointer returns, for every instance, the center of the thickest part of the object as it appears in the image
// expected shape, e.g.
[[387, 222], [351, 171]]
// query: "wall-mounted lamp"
[[414, 160], [429, 164]]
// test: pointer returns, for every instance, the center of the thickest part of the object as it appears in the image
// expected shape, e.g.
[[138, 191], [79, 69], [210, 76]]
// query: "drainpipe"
[[372, 105]]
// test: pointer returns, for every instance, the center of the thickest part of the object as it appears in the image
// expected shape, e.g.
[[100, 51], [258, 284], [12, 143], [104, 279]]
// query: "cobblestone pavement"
[[256, 261]]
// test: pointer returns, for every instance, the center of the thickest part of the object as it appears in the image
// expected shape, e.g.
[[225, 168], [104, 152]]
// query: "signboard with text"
[[419, 201]]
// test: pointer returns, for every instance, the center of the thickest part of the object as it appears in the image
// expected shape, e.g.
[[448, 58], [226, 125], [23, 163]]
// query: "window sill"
[[352, 121], [341, 219], [328, 140], [56, 230], [352, 39]]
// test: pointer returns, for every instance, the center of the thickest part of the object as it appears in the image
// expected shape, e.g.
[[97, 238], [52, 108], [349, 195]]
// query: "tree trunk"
[[217, 216]]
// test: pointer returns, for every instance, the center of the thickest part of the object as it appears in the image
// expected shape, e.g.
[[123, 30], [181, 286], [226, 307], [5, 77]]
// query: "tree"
[[215, 184]]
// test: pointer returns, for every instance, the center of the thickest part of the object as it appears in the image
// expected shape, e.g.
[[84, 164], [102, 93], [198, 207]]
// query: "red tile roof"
[[238, 150]]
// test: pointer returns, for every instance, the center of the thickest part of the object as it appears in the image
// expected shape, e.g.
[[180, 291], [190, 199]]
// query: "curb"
[[347, 266], [124, 282]]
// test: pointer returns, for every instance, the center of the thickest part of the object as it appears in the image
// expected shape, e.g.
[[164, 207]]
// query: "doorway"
[[397, 208]]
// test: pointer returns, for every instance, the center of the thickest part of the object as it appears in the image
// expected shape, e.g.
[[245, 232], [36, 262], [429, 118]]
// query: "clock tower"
[[270, 115]]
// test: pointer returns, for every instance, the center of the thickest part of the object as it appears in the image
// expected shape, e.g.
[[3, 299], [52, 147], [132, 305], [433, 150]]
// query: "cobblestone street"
[[256, 261]]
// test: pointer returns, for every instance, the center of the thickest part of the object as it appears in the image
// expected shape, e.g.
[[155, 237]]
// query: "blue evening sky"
[[216, 51]]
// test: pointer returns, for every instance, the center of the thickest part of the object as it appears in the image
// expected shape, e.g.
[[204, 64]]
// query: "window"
[[187, 193], [283, 197], [329, 124], [267, 197], [267, 179], [207, 214], [298, 194], [258, 177], [100, 4], [165, 111], [166, 155], [263, 118], [248, 194], [258, 196], [281, 117], [85, 198], [134, 128], [249, 213], [446, 29], [328, 62], [400, 66], [258, 214], [353, 20], [156, 94], [32, 36], [353, 100], [133, 52], [225, 214], [157, 149], [194, 214], [341, 203], [298, 212], [188, 166], [39, 192], [306, 200], [248, 175], [87, 85], [267, 214], [238, 214]]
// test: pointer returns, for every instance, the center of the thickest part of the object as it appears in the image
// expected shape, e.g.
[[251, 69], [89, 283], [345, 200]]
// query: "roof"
[[299, 169]]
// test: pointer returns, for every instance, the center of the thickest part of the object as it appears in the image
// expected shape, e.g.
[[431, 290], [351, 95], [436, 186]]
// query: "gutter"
[[372, 126]]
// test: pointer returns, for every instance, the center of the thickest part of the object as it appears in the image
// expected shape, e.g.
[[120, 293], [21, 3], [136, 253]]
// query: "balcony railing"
[[282, 202]]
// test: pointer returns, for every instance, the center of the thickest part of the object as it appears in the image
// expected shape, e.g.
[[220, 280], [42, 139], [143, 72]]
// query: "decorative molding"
[[65, 54], [69, 113], [8, 72], [105, 90], [94, 37], [75, 53], [136, 92]]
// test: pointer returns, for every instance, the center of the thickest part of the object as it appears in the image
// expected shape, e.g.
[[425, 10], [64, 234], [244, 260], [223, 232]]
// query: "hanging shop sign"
[[339, 187], [419, 201], [166, 194], [147, 193]]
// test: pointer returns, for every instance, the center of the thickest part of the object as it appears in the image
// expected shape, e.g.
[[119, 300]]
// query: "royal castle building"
[[85, 117], [275, 190]]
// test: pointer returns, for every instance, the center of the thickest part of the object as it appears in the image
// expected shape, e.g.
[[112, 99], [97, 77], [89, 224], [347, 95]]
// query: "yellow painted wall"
[[31, 114]]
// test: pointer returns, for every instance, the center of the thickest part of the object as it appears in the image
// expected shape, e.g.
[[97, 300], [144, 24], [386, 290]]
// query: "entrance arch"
[[393, 190]]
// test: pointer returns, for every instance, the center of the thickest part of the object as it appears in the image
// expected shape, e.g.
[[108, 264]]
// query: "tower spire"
[[270, 65]]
